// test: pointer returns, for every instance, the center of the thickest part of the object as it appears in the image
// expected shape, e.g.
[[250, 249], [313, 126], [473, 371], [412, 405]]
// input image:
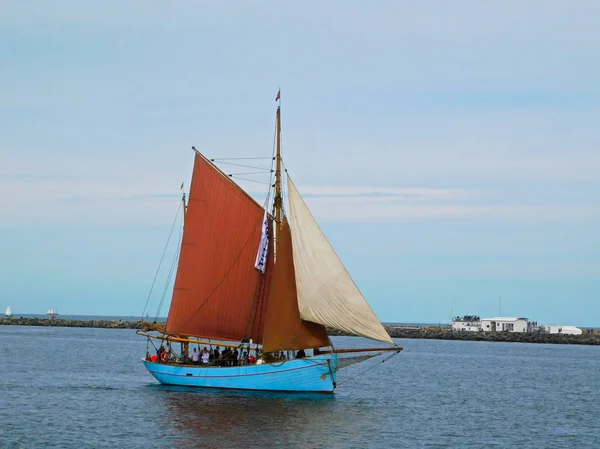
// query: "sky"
[[449, 150]]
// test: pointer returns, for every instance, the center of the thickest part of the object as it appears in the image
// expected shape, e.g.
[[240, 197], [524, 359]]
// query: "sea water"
[[79, 388]]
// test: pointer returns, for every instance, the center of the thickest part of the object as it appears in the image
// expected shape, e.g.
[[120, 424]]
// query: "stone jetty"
[[589, 337], [60, 322]]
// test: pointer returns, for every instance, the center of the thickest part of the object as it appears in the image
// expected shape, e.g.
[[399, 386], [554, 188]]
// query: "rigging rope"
[[237, 158], [246, 166], [284, 170], [369, 369], [161, 259], [248, 173], [272, 174], [343, 362], [251, 180], [254, 319], [173, 265]]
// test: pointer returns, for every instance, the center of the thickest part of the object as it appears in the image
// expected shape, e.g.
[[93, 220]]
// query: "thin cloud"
[[407, 193], [75, 200], [384, 209]]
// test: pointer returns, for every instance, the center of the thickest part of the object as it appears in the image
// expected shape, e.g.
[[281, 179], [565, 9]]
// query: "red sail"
[[218, 292], [284, 329]]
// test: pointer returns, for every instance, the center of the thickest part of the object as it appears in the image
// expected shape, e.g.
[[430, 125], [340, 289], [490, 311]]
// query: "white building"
[[567, 330], [504, 324], [469, 326]]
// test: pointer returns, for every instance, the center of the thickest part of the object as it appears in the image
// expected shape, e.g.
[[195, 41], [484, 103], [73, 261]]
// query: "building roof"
[[500, 318], [558, 325]]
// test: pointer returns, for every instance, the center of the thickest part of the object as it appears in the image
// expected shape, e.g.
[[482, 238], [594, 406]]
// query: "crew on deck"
[[195, 357], [226, 358], [163, 353], [205, 356]]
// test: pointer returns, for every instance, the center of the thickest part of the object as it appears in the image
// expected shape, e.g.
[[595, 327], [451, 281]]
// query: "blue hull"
[[312, 374]]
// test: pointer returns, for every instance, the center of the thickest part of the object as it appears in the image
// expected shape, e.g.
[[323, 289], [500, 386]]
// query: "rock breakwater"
[[59, 322], [589, 337]]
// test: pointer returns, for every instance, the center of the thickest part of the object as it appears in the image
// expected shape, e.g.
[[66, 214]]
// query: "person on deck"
[[300, 354], [195, 357], [159, 353], [164, 354], [205, 356], [223, 357], [231, 359]]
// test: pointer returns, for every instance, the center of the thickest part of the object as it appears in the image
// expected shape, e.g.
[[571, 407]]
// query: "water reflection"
[[217, 418]]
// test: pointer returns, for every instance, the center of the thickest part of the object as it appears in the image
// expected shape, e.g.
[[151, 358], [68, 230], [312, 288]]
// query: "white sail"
[[8, 312], [326, 292]]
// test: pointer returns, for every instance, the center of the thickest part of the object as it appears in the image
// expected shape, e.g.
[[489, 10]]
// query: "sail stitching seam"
[[223, 279]]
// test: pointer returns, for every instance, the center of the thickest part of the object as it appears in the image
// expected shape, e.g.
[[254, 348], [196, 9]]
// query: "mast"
[[183, 202], [278, 202], [185, 345]]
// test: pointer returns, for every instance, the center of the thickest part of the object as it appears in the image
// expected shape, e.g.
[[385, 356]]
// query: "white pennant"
[[263, 247]]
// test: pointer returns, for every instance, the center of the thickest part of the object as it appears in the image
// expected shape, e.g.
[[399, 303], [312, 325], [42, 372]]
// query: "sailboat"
[[262, 284], [52, 313], [8, 312]]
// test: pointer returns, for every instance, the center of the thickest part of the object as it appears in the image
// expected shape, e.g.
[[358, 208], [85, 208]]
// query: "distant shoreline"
[[66, 322], [589, 337]]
